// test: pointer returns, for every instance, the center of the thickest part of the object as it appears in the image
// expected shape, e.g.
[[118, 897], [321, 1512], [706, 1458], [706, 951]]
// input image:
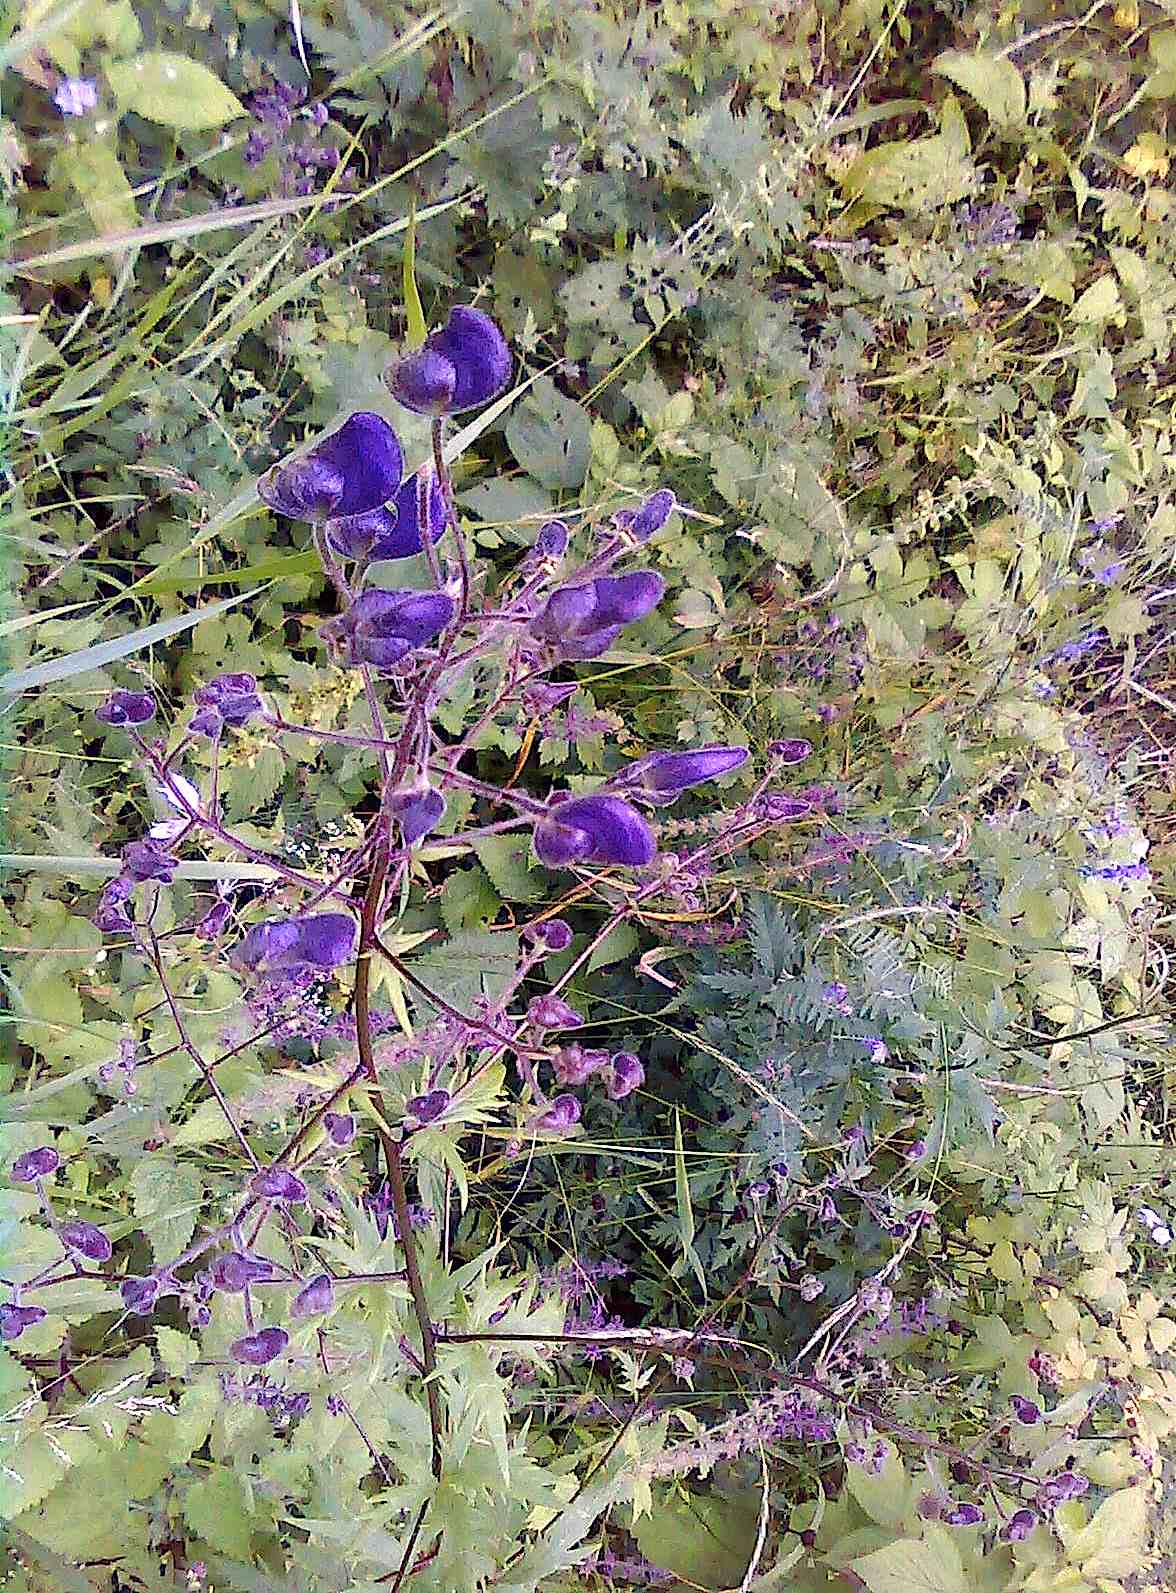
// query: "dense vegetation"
[[867, 1283]]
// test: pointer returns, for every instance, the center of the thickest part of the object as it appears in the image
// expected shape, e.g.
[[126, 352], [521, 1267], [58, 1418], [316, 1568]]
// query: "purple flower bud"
[[427, 1108], [593, 829], [553, 934], [550, 1012], [964, 1515], [127, 708], [419, 813], [574, 1064], [381, 627], [15, 1318], [287, 945], [552, 541], [235, 1271], [316, 1299], [642, 523], [355, 469], [144, 860], [256, 1349], [278, 1183], [1025, 1410], [212, 925], [111, 915], [340, 1127], [464, 365], [624, 1076], [1066, 1485], [34, 1164], [140, 1294], [1019, 1525], [665, 775], [86, 1240], [206, 722], [794, 750], [584, 621], [563, 1113], [234, 697]]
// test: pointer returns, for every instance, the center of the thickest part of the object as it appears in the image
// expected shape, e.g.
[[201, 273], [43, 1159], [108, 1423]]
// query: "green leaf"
[[551, 437], [993, 82], [167, 1197], [176, 1350], [928, 172], [708, 1539], [507, 860], [1112, 1542], [466, 967], [92, 168], [910, 1566], [685, 1207], [171, 89], [215, 1509], [885, 1496], [413, 311], [619, 943]]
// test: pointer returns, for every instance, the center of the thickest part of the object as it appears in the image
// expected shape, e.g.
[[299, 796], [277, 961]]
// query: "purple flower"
[[663, 776], [86, 1240], [552, 541], [593, 829], [15, 1318], [354, 470], [464, 365], [288, 945], [562, 1114], [1019, 1526], [233, 698], [340, 1127], [316, 1299], [584, 621], [793, 750], [74, 96], [34, 1164], [1066, 1485], [278, 1183], [554, 935], [624, 1076], [381, 628], [419, 813], [393, 532], [642, 523], [255, 1349], [876, 1046], [550, 1012], [427, 1108], [235, 1271], [1025, 1410], [140, 1294], [573, 1064], [144, 860], [964, 1515], [127, 708]]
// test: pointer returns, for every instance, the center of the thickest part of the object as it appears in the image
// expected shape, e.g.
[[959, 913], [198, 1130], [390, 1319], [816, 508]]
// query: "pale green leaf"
[[993, 82], [215, 1509], [167, 1197], [910, 1566], [171, 89]]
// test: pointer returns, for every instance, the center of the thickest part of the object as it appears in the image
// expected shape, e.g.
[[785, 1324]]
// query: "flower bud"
[[552, 540], [292, 945], [126, 708], [562, 1114], [663, 776], [316, 1299], [234, 698], [146, 860], [235, 1271], [643, 522], [34, 1164], [550, 1012], [1025, 1410], [418, 813], [574, 1064], [15, 1318], [354, 470], [593, 829], [140, 1294], [256, 1349], [625, 1075], [793, 750], [427, 1108], [340, 1127], [380, 628], [464, 365], [86, 1240], [584, 621], [553, 934], [278, 1183]]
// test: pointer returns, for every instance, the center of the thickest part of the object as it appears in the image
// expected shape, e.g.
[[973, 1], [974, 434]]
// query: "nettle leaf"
[[507, 860], [551, 436], [167, 1197], [466, 967], [993, 82], [911, 1566], [217, 1511], [169, 88], [469, 900]]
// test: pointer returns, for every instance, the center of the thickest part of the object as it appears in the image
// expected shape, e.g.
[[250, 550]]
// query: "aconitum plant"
[[292, 1253]]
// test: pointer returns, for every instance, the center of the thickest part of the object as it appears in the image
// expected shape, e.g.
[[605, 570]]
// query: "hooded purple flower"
[[340, 1127], [428, 1108], [553, 934], [235, 1271], [316, 1299], [256, 1349], [34, 1164], [140, 1294], [552, 540], [584, 621], [381, 628], [593, 829], [794, 750], [418, 812], [86, 1240], [573, 1064], [562, 1114], [551, 1012], [15, 1318], [624, 1076], [464, 365], [233, 700], [663, 776], [650, 517], [354, 470], [393, 532], [1019, 1525], [127, 708], [278, 1183], [111, 915], [290, 945], [144, 860]]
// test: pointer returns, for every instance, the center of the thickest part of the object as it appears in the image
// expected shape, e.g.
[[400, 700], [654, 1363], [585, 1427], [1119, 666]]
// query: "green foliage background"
[[886, 294]]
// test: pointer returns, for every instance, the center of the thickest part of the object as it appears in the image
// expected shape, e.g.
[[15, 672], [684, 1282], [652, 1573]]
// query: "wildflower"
[[644, 522], [1019, 1525], [340, 1127], [15, 1318], [835, 994], [625, 1074], [140, 1294], [1057, 1490], [428, 1108], [593, 829], [86, 1240], [278, 1183], [419, 813], [793, 750], [34, 1164], [356, 469], [146, 860], [228, 700], [550, 1012], [74, 96], [584, 621], [1025, 1410], [780, 807], [811, 1288], [562, 1114], [876, 1047], [553, 935], [316, 1299], [663, 776], [381, 628], [393, 531], [964, 1515], [574, 1064], [917, 1150], [552, 540], [127, 708], [285, 945], [255, 1349], [464, 365]]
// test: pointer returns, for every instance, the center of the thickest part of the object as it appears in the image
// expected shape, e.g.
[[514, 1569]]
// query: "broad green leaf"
[[927, 172], [1112, 1542], [993, 82], [93, 169], [618, 944], [167, 1197], [171, 89], [706, 1538], [216, 1510], [507, 859], [1100, 302], [551, 437], [910, 1566]]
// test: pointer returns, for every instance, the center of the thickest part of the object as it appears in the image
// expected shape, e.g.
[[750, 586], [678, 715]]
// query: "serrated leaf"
[[215, 1509], [551, 436], [911, 174], [507, 860], [466, 967], [171, 89], [993, 82], [910, 1566], [1111, 1544], [167, 1197], [176, 1350]]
